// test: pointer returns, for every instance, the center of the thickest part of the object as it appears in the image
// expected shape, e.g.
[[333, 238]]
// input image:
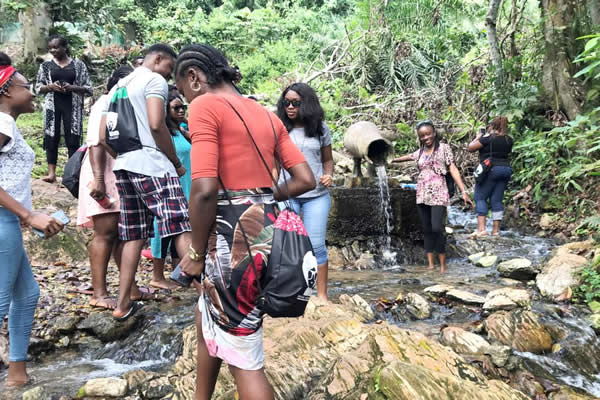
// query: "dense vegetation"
[[458, 62]]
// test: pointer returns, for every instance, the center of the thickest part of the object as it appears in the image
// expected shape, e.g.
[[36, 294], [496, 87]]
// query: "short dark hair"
[[62, 41], [311, 113], [117, 74], [210, 61], [161, 48], [5, 59]]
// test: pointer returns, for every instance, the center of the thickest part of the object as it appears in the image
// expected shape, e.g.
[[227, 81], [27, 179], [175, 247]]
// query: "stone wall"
[[356, 214]]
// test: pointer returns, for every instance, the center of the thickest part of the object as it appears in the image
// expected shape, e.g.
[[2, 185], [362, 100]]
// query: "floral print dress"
[[431, 182]]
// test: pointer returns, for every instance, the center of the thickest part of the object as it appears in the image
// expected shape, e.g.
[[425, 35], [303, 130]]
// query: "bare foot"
[[430, 268], [164, 284], [17, 374], [320, 300], [104, 302], [50, 179], [442, 269]]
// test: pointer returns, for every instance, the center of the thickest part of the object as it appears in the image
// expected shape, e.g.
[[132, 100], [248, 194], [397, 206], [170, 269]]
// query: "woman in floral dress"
[[434, 160]]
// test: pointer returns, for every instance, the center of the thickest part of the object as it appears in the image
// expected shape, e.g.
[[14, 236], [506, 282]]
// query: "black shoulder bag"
[[121, 124], [485, 166]]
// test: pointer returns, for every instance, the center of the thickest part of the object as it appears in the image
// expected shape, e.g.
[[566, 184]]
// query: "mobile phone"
[[180, 277], [59, 216]]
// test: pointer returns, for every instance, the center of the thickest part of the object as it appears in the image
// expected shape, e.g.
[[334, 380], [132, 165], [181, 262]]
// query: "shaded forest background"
[[457, 62]]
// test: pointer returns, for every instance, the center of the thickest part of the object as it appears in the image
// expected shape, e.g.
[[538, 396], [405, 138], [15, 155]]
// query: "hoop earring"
[[196, 88]]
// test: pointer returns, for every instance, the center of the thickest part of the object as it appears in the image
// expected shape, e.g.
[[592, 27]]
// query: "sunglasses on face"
[[180, 108], [295, 103], [426, 122]]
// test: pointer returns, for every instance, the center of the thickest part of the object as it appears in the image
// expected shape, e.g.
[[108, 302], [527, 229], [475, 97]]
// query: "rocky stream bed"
[[498, 325]]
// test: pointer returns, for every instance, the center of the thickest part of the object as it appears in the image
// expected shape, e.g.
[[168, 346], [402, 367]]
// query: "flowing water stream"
[[156, 344], [388, 255]]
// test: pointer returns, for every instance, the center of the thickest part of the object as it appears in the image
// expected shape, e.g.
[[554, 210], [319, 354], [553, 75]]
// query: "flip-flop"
[[135, 306], [102, 303], [145, 290], [145, 296]]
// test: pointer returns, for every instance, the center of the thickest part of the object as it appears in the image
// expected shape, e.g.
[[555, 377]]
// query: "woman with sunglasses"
[[434, 160], [19, 292], [301, 112], [175, 117]]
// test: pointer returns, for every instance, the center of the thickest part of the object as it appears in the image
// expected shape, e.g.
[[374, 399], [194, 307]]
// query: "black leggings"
[[168, 244], [432, 218], [62, 114]]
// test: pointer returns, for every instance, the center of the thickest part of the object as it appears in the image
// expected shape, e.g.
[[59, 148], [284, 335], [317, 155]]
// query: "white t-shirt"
[[16, 162], [143, 84], [93, 127]]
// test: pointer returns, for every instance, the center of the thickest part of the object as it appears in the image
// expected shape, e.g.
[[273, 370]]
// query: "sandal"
[[135, 306], [145, 296]]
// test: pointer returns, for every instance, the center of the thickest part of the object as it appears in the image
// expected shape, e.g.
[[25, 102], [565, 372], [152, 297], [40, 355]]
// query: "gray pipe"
[[363, 140]]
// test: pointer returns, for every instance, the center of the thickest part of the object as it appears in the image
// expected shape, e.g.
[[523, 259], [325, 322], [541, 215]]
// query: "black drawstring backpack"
[[121, 125], [72, 171], [291, 272]]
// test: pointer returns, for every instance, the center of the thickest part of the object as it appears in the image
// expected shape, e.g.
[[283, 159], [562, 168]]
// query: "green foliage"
[[589, 287], [590, 56], [560, 159]]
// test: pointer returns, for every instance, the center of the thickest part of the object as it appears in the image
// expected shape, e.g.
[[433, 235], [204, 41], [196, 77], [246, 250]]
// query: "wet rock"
[[506, 299], [465, 246], [594, 320], [37, 393], [358, 305], [569, 394], [560, 273], [546, 221], [66, 323], [417, 306], [510, 282], [487, 261], [528, 384], [138, 377], [465, 297], [438, 290], [475, 257], [336, 258], [156, 389], [330, 353], [104, 387], [463, 342], [517, 268], [499, 354], [365, 261], [405, 381], [521, 330], [106, 328]]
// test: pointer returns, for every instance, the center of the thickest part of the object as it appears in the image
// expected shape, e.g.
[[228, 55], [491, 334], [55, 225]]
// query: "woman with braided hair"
[[19, 292], [222, 126]]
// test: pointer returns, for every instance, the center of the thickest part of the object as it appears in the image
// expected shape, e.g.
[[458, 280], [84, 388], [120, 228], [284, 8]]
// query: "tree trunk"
[[36, 23], [593, 7], [492, 36], [561, 91]]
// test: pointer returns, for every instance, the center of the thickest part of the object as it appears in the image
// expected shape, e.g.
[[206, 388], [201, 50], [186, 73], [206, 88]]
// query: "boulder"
[[499, 354], [335, 258], [365, 261], [438, 290], [37, 393], [465, 297], [475, 257], [417, 306], [358, 305], [487, 261], [104, 387], [463, 342], [517, 268], [560, 273], [506, 299], [331, 354], [66, 323], [106, 328], [521, 330], [157, 388], [546, 221]]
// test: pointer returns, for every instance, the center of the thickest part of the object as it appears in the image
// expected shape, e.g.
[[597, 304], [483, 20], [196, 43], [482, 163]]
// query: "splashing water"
[[389, 256]]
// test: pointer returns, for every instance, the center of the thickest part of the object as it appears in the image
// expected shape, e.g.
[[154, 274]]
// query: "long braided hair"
[[210, 61]]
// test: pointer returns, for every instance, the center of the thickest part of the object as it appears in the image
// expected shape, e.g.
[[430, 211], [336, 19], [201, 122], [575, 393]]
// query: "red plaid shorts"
[[145, 197]]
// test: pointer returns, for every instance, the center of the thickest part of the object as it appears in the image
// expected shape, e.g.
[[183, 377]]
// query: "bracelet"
[[194, 256]]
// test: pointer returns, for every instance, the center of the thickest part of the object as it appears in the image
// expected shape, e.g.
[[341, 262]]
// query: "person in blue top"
[[175, 117]]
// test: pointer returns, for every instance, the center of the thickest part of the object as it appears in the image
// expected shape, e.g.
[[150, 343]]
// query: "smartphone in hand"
[[59, 216]]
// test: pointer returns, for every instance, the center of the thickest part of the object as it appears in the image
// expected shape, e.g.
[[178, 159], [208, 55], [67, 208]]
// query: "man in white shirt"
[[147, 175]]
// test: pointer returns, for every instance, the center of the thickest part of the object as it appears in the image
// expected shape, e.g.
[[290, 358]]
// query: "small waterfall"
[[389, 256]]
